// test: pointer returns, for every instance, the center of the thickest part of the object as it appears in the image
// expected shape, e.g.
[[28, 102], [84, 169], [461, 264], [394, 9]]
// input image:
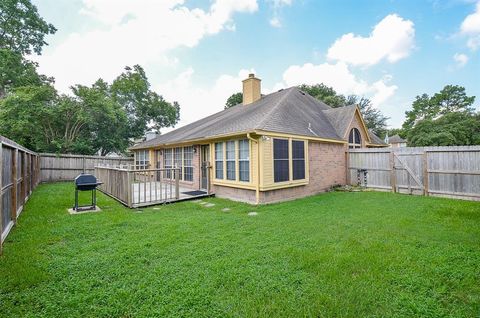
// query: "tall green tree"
[[325, 94], [452, 98], [22, 29], [144, 108], [16, 71], [451, 129], [234, 100]]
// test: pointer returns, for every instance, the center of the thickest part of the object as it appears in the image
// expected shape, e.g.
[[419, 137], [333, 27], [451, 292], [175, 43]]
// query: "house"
[[396, 141], [270, 148]]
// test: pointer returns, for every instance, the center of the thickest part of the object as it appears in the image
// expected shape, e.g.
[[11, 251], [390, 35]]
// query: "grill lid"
[[84, 178]]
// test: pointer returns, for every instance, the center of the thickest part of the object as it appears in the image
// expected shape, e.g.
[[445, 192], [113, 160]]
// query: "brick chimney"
[[251, 89]]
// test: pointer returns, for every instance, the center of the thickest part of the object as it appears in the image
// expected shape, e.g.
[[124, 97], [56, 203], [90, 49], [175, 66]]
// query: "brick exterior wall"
[[327, 168]]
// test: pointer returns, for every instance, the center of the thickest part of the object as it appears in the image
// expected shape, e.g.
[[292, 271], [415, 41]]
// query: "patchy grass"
[[337, 254]]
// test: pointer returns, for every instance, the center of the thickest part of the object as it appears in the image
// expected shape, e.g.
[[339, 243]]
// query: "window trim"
[[290, 181], [236, 181], [355, 144]]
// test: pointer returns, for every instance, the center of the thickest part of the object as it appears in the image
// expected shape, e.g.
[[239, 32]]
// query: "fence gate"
[[442, 171]]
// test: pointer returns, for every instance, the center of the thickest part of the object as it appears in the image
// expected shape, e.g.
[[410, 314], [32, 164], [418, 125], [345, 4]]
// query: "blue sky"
[[197, 52]]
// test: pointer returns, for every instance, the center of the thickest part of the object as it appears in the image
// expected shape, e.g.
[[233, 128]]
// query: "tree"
[[234, 100], [16, 71], [110, 124], [143, 107], [452, 98], [452, 129], [22, 30], [325, 94], [373, 117]]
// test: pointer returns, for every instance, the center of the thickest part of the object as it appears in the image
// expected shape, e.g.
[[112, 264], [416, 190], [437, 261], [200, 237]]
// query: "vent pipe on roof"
[[251, 89]]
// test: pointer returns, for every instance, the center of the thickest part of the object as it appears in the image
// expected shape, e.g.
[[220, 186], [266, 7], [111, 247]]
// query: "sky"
[[197, 52]]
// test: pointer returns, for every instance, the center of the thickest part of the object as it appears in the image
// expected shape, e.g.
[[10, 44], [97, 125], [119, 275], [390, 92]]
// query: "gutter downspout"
[[257, 186]]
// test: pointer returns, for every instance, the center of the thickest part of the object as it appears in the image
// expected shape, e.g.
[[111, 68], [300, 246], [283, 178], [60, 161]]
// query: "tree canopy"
[[234, 100], [101, 118], [22, 29], [445, 119]]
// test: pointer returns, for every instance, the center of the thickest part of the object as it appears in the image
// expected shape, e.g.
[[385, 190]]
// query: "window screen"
[[298, 159], [168, 162], [244, 160], [219, 160], [188, 163], [230, 160], [280, 160], [178, 160]]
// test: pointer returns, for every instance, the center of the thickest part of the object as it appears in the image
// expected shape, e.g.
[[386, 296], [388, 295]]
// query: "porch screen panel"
[[188, 163], [219, 160], [281, 169], [178, 160], [168, 162], [298, 159], [230, 160], [244, 160]]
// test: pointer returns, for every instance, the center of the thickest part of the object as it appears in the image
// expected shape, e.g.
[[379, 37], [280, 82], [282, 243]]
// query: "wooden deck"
[[153, 193], [137, 188]]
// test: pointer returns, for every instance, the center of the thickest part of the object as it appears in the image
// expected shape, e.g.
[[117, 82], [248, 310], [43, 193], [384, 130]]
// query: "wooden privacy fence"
[[66, 167], [441, 171], [135, 188], [19, 175]]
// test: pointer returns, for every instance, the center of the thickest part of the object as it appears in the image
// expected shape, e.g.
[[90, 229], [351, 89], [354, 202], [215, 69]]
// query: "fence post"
[[14, 189], [177, 182], [1, 197], [83, 164], [129, 188], [425, 173], [393, 173], [347, 165]]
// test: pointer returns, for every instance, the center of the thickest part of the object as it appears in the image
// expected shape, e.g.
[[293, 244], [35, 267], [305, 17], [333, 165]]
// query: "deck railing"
[[139, 187]]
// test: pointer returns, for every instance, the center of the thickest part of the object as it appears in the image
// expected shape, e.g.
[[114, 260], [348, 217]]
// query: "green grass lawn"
[[332, 255]]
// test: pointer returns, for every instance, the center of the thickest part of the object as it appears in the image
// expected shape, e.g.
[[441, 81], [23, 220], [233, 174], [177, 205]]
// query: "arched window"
[[354, 139]]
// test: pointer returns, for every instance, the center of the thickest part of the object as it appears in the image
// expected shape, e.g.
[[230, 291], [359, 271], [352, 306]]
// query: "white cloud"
[[277, 5], [460, 59], [471, 28], [275, 22], [196, 102], [134, 32], [391, 39], [340, 78]]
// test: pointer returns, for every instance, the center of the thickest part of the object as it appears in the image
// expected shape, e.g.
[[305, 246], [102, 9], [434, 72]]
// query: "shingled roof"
[[396, 139], [289, 111]]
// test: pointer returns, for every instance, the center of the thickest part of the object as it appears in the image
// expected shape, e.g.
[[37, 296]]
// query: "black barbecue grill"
[[86, 182]]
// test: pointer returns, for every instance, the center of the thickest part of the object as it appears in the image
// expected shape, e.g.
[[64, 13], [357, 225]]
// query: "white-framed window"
[[188, 163], [180, 157], [354, 139], [142, 161], [230, 160], [219, 160], [244, 160]]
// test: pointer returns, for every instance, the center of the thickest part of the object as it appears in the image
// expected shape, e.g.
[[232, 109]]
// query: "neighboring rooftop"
[[396, 139], [375, 140]]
